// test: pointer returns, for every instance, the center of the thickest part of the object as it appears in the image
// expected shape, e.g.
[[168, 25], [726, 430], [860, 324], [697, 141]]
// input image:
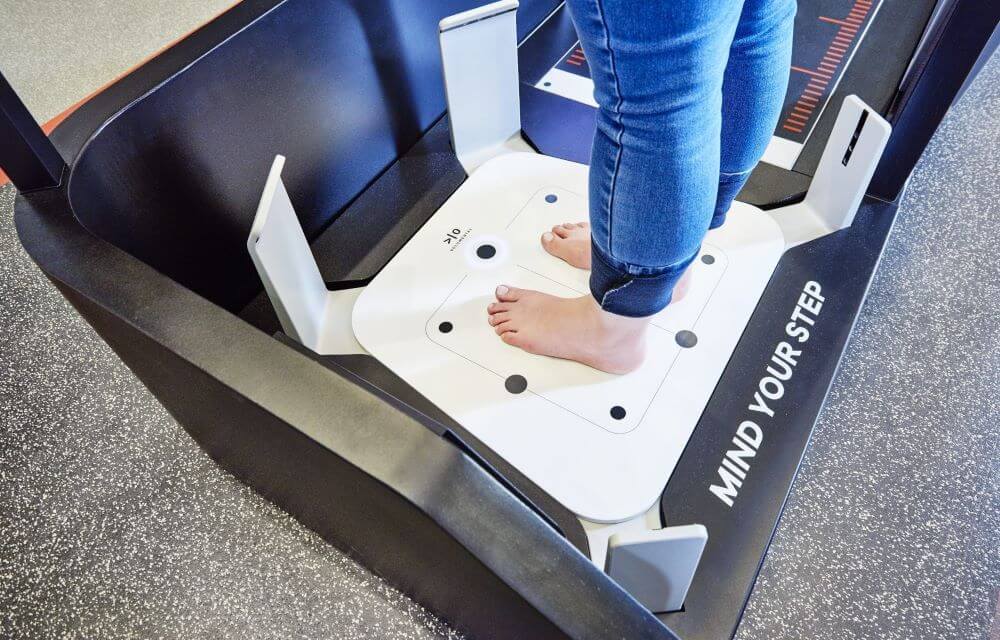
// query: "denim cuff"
[[718, 220], [633, 295], [729, 187]]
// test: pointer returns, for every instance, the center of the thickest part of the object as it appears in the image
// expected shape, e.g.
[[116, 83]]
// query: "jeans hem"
[[636, 296]]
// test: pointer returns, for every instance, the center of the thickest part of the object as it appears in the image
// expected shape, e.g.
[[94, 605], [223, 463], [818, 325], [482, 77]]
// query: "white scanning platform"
[[603, 445]]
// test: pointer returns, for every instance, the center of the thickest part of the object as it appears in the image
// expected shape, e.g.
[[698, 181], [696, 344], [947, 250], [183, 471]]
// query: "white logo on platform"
[[455, 237]]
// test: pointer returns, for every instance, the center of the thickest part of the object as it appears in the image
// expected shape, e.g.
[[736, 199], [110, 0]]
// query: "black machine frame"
[[370, 465]]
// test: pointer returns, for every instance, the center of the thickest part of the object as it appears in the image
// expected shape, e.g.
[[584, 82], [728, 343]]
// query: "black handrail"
[[959, 38], [26, 154]]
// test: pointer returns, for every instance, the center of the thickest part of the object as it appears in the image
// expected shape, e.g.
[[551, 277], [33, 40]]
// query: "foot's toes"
[[504, 328], [560, 230], [513, 338], [519, 339], [497, 307], [497, 318], [555, 245], [508, 294]]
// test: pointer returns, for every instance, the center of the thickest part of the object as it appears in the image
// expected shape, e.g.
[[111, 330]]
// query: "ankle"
[[618, 326]]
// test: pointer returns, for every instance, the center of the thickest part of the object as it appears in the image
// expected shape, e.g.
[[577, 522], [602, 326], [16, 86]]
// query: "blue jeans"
[[689, 93]]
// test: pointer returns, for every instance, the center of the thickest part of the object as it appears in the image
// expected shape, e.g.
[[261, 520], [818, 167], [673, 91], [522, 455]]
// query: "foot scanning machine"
[[283, 233]]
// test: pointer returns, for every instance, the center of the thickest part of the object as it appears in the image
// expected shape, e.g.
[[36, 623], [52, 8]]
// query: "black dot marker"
[[708, 259], [551, 198], [618, 413], [486, 251], [516, 384], [445, 327], [686, 339]]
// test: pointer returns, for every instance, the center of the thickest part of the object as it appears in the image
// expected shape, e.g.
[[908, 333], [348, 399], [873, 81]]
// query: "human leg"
[[753, 90], [658, 70]]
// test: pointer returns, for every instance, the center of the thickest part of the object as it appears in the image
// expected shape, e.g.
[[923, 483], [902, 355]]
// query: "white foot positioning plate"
[[602, 445]]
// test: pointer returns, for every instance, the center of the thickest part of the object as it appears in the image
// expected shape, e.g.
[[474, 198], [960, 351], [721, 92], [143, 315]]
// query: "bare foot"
[[570, 328], [571, 242]]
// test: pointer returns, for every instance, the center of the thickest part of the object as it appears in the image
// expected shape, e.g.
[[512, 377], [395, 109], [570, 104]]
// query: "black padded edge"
[[371, 374], [961, 35]]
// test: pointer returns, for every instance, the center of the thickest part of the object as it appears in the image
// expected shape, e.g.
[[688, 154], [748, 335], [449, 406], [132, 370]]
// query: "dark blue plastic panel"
[[341, 87]]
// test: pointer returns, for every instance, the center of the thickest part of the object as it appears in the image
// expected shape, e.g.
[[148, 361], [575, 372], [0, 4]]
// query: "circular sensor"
[[708, 258], [686, 339], [516, 384], [486, 252], [445, 327], [618, 413]]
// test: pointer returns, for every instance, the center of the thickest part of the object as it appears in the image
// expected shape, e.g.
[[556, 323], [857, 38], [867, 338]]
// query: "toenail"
[[547, 236], [502, 290]]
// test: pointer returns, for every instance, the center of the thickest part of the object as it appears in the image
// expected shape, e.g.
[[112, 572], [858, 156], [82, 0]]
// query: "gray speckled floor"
[[55, 52], [892, 530], [113, 524]]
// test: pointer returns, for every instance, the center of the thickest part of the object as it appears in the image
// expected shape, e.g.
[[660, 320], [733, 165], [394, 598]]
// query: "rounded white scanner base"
[[602, 445]]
